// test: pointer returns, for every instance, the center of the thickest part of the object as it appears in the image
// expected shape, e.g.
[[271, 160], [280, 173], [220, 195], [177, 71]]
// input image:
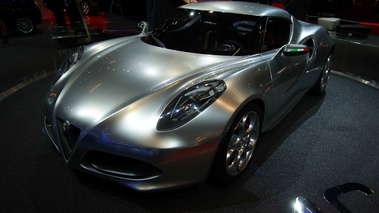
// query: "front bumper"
[[139, 168]]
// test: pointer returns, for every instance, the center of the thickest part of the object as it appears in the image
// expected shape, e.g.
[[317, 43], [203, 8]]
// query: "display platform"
[[325, 142]]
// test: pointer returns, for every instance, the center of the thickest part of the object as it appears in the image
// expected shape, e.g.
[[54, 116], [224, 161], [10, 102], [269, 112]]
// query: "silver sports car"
[[185, 102]]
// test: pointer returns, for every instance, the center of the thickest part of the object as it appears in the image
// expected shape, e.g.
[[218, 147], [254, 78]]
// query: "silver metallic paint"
[[117, 91]]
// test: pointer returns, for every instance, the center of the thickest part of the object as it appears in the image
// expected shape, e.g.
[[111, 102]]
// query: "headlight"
[[190, 103], [68, 63]]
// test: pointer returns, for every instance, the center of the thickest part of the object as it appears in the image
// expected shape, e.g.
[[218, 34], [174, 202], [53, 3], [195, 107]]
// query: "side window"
[[276, 34]]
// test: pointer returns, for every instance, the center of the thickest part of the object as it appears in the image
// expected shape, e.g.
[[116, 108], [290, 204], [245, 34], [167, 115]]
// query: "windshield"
[[208, 32]]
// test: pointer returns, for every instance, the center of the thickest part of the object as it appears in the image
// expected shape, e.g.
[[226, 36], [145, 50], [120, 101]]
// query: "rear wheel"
[[322, 82], [237, 148]]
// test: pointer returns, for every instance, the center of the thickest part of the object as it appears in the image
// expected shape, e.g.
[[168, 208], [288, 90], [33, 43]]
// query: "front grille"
[[121, 166], [68, 136]]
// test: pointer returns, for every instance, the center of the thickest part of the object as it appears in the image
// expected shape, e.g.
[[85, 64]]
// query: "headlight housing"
[[68, 63], [191, 102]]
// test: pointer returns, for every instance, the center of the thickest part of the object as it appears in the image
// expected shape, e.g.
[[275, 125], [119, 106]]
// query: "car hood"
[[113, 74]]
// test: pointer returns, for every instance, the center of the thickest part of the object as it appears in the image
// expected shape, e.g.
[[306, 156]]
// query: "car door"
[[286, 70]]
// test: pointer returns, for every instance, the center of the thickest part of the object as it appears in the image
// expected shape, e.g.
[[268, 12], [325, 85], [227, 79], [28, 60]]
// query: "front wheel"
[[238, 146], [320, 86]]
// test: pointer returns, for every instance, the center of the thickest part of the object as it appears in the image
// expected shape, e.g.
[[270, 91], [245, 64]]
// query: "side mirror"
[[295, 49]]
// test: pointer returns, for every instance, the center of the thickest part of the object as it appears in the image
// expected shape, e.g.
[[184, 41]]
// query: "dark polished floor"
[[325, 142]]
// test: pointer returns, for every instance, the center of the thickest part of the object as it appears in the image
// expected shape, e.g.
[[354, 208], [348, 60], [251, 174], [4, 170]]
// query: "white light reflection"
[[140, 128], [151, 72], [93, 115], [226, 105], [99, 47], [297, 206], [95, 88]]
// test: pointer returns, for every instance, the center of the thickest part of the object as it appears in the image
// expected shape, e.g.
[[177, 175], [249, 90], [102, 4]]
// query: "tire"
[[25, 25], [321, 83], [237, 148]]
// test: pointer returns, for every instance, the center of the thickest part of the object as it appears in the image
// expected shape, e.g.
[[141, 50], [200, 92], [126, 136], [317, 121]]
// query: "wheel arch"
[[255, 100]]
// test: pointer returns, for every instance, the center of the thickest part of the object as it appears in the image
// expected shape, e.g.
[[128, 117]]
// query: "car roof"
[[239, 7]]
